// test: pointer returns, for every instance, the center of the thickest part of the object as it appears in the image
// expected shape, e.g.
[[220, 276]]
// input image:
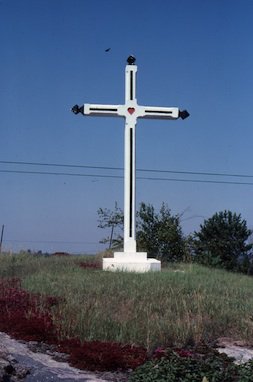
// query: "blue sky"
[[192, 54]]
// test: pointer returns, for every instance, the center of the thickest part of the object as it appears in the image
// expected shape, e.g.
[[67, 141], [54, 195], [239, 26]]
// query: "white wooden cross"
[[131, 111]]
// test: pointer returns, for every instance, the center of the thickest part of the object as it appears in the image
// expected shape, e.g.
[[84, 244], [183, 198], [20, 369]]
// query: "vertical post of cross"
[[129, 160]]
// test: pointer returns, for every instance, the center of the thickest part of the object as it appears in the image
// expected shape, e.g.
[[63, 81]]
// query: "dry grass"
[[149, 309]]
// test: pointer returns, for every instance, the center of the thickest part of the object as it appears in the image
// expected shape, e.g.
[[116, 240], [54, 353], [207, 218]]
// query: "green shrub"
[[193, 367], [223, 242]]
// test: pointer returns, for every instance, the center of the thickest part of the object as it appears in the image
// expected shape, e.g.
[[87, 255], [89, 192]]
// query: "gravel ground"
[[241, 351], [36, 362]]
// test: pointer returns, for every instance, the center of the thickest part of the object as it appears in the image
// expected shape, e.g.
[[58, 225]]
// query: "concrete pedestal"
[[131, 262]]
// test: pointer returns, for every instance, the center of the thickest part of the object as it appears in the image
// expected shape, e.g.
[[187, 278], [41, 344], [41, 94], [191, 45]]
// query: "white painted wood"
[[131, 111]]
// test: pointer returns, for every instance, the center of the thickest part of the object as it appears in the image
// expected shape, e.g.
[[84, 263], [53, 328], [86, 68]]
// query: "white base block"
[[131, 262]]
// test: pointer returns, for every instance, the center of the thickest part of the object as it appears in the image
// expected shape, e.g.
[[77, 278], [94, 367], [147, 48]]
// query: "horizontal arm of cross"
[[102, 110], [154, 112]]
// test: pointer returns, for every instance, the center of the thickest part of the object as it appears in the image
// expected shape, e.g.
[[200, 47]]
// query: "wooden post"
[[1, 240]]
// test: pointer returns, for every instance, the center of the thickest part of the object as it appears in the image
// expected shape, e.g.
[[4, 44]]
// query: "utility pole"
[[1, 240]]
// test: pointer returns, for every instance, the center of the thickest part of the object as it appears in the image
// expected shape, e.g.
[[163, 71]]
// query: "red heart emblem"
[[131, 110]]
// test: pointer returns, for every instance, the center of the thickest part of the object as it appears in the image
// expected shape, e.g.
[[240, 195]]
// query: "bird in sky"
[[107, 50]]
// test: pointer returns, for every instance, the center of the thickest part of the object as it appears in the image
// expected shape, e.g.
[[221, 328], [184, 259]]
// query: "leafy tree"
[[114, 220], [223, 241], [160, 234]]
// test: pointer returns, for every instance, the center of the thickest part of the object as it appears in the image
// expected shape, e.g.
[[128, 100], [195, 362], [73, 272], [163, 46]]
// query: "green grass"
[[177, 306]]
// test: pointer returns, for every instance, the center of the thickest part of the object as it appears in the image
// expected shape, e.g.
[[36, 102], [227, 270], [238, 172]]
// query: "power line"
[[61, 173], [121, 169], [197, 173], [61, 165], [197, 181], [53, 242], [120, 177]]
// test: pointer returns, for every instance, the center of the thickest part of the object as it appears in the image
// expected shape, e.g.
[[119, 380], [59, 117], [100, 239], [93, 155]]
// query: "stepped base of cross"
[[131, 262]]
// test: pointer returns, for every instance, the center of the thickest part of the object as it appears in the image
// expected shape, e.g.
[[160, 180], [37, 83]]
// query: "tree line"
[[223, 240]]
